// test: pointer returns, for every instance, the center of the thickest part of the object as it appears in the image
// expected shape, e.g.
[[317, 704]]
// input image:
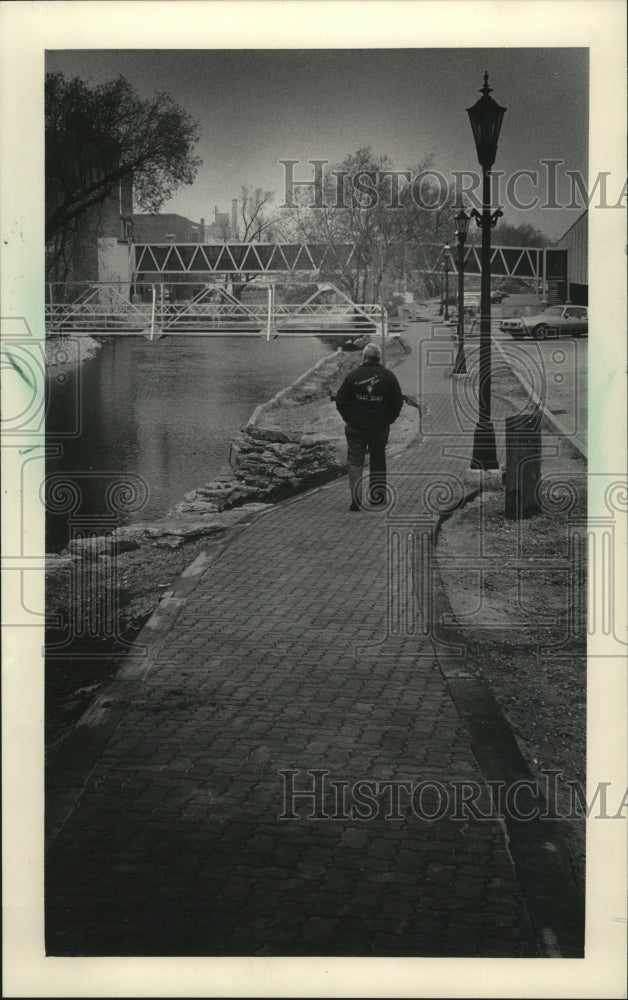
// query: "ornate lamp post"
[[486, 117], [462, 228], [446, 250]]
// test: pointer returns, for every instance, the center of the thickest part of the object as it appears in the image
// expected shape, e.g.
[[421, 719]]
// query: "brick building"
[[167, 228]]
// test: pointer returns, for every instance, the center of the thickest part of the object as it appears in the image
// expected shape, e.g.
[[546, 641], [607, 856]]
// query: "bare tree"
[[253, 214], [366, 203], [258, 224]]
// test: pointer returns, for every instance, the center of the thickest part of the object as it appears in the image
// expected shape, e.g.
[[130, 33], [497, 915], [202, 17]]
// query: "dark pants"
[[358, 443]]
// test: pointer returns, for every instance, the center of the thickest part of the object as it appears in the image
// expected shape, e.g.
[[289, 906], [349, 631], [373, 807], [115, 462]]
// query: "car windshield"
[[554, 311]]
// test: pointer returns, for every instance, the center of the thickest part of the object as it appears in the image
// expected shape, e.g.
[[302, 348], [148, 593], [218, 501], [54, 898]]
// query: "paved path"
[[299, 664]]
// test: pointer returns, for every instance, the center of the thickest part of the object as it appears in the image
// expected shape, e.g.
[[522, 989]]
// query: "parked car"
[[555, 321]]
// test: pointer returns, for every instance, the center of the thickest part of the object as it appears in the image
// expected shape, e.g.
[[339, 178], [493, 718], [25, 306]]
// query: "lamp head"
[[462, 224], [486, 117]]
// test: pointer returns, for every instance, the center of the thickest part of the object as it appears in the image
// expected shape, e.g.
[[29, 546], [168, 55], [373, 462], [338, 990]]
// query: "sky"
[[257, 107]]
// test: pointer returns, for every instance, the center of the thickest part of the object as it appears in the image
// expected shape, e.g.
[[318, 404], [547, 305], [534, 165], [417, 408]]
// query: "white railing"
[[157, 309]]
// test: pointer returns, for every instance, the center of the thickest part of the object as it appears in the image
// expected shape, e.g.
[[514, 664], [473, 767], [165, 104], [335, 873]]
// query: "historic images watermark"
[[93, 547], [429, 189], [315, 794]]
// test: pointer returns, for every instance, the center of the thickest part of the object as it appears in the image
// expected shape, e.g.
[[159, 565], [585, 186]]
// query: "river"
[[164, 411]]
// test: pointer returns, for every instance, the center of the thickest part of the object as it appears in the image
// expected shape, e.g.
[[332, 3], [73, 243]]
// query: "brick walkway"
[[176, 846]]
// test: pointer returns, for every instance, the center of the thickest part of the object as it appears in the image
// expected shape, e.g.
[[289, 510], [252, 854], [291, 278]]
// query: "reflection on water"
[[164, 411]]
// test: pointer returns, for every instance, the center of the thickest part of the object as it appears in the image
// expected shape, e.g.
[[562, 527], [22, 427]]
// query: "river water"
[[159, 415]]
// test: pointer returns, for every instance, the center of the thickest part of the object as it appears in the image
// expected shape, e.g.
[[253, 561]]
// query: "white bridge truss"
[[172, 310], [534, 263], [237, 258], [151, 259]]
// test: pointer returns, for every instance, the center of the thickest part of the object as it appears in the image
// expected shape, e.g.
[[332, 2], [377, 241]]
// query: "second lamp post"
[[486, 121], [446, 250], [462, 228]]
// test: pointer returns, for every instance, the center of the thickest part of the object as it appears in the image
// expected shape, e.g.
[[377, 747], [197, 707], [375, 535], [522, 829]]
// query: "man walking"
[[369, 401]]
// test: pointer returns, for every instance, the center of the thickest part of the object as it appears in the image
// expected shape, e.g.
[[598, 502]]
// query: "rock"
[[259, 481], [93, 548], [276, 457], [168, 542], [243, 448], [311, 440], [185, 530], [315, 457], [130, 533], [284, 450], [196, 507], [269, 434], [257, 467], [244, 442], [225, 475], [282, 472]]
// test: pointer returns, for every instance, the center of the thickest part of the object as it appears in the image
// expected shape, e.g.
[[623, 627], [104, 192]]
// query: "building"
[[576, 242], [96, 247], [167, 228], [224, 228]]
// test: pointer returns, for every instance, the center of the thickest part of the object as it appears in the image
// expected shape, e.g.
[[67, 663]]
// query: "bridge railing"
[[188, 308]]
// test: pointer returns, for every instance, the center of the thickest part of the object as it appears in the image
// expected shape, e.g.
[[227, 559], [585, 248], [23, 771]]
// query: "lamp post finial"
[[486, 89]]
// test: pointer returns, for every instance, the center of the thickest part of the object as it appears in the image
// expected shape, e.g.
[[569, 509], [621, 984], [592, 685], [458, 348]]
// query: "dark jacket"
[[370, 397]]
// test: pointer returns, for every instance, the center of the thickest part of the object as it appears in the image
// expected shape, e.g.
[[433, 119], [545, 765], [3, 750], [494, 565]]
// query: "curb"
[[554, 423]]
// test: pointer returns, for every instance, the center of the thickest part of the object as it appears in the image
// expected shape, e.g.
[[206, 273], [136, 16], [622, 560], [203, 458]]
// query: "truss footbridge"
[[195, 288]]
